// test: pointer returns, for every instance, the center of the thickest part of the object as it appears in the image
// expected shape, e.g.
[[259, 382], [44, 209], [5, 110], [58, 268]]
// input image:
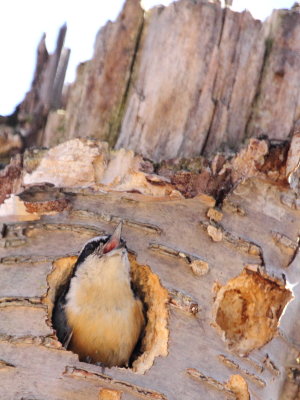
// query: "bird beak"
[[114, 240], [117, 233]]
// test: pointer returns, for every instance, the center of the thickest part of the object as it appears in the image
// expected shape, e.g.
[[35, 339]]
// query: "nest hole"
[[247, 310], [153, 341]]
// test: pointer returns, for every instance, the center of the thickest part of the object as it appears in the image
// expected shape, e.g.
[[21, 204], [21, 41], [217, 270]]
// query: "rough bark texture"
[[277, 106], [96, 100], [214, 241], [176, 102], [177, 81], [180, 87], [45, 93], [214, 280]]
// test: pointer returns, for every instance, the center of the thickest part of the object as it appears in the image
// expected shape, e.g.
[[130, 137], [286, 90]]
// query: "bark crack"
[[215, 101], [73, 372], [115, 131], [268, 50]]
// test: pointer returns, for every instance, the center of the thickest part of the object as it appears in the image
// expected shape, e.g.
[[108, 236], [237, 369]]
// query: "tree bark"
[[213, 241], [215, 278]]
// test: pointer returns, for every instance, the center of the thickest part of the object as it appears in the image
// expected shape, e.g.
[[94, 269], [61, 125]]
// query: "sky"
[[23, 23]]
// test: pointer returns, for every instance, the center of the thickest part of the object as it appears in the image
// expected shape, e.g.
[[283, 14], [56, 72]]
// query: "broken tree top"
[[180, 80], [213, 237]]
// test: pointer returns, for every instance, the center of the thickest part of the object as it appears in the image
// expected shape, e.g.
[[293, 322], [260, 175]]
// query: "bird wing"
[[59, 319]]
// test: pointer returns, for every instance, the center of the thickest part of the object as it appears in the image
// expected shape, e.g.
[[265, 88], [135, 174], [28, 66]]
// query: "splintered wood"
[[175, 267], [213, 242], [247, 310]]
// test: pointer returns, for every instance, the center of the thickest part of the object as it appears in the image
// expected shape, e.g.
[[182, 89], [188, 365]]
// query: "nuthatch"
[[98, 316]]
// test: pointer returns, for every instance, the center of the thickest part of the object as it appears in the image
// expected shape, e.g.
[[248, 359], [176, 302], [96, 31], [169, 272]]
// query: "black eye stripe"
[[89, 248], [96, 241]]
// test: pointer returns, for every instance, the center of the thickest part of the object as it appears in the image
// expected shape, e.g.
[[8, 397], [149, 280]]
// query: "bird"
[[97, 315]]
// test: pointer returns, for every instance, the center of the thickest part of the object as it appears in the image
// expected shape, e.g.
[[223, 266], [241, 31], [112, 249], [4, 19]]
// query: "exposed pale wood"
[[45, 92], [96, 101], [186, 87], [180, 80], [193, 83], [193, 340], [277, 106], [213, 243]]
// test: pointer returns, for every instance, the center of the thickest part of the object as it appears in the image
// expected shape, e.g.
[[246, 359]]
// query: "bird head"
[[113, 241], [103, 245]]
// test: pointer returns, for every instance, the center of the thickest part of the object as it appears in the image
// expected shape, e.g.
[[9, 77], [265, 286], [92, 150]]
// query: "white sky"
[[24, 21]]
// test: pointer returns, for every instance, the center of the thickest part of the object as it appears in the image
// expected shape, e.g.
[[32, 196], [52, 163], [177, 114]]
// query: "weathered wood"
[[179, 81], [165, 237], [45, 92], [193, 82], [277, 105], [96, 101], [185, 87], [213, 243], [10, 178]]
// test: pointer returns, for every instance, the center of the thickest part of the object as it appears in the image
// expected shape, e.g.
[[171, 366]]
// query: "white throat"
[[100, 279]]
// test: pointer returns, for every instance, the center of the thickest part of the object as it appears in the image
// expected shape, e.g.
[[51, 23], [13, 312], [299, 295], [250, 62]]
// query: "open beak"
[[117, 232], [114, 240]]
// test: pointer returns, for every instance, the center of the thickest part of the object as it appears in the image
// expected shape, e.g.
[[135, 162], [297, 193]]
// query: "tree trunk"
[[213, 242]]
